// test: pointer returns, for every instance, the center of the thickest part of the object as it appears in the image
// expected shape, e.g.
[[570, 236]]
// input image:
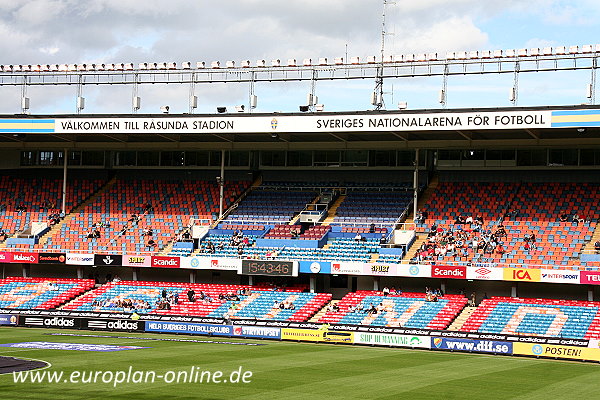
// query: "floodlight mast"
[[378, 101]]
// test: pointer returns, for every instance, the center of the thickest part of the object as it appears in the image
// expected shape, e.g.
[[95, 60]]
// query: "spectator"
[[563, 217], [358, 237], [151, 244], [372, 228], [191, 295]]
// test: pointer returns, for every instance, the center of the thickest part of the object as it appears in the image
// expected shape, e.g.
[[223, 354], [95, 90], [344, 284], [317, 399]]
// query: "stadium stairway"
[[419, 240], [75, 211], [460, 320], [424, 198], [296, 219], [322, 311], [333, 209], [589, 246]]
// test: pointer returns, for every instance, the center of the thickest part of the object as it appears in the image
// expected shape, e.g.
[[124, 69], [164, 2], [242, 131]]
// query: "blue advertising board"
[[472, 345], [187, 327]]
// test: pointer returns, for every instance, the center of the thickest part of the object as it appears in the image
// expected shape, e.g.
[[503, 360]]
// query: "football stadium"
[[444, 252]]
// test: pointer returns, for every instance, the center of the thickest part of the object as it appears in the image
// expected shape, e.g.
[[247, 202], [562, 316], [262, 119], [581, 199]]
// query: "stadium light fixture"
[[319, 107], [303, 108], [221, 110], [274, 135], [137, 102], [253, 101], [581, 130], [25, 104], [164, 109], [403, 105], [80, 103], [240, 108]]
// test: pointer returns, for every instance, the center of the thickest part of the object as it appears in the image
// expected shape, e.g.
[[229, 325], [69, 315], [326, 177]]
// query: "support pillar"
[[376, 283], [313, 283], [513, 290]]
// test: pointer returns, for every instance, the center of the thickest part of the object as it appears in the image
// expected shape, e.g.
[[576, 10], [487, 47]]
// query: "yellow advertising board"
[[522, 274], [317, 335], [556, 351]]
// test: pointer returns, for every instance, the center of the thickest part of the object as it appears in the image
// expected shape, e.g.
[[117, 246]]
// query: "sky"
[[115, 31]]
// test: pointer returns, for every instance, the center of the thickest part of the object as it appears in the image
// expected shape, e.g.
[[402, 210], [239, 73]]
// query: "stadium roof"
[[512, 127]]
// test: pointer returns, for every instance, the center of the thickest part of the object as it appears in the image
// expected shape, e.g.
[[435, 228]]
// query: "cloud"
[[75, 31]]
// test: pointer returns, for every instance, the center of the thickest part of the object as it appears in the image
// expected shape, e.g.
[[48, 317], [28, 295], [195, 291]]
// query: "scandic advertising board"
[[165, 262], [449, 271]]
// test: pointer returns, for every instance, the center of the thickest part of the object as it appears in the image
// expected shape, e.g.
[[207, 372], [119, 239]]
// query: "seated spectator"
[[563, 217], [148, 232], [372, 228], [151, 244], [383, 239], [597, 246], [191, 295], [576, 219], [358, 237], [459, 220]]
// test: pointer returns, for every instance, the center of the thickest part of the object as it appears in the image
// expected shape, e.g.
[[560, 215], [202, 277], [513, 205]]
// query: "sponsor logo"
[[470, 345], [5, 257], [136, 260], [382, 269], [383, 339], [315, 268], [79, 259], [6, 319], [114, 325], [274, 124], [56, 321], [214, 263], [457, 272], [537, 350], [413, 270], [70, 346], [182, 327], [520, 274], [165, 262], [482, 271], [256, 331], [194, 262], [589, 278], [52, 258], [111, 260], [25, 257]]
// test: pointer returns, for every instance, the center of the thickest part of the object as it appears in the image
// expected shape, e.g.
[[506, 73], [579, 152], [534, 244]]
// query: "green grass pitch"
[[288, 370]]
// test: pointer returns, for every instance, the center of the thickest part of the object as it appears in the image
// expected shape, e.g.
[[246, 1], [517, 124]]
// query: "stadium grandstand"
[[476, 221]]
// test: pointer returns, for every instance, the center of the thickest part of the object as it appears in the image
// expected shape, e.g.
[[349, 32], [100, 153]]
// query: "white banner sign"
[[485, 273], [79, 259], [227, 264], [558, 276], [398, 121]]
